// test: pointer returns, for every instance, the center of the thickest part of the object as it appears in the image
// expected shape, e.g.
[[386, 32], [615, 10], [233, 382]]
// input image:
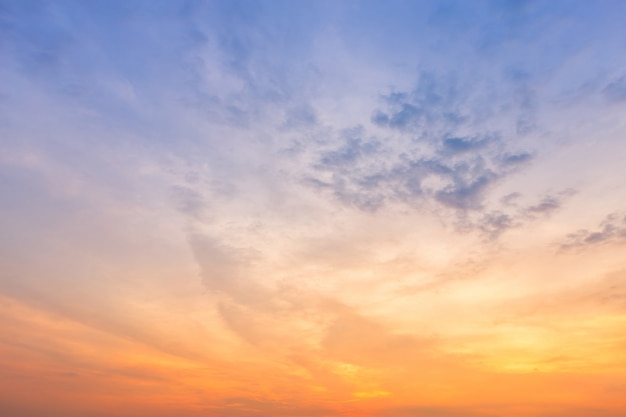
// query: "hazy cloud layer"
[[312, 209]]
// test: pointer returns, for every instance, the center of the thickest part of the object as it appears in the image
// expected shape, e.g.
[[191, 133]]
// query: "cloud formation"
[[611, 230], [317, 209]]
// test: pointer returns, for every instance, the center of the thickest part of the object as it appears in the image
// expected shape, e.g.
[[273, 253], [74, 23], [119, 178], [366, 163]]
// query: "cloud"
[[545, 206], [226, 270], [495, 223], [434, 105], [464, 193], [492, 224], [227, 73], [458, 145], [435, 147], [369, 174], [348, 154], [548, 205], [509, 199], [189, 201], [611, 230], [196, 147], [616, 90], [300, 116], [245, 321], [515, 159], [233, 73]]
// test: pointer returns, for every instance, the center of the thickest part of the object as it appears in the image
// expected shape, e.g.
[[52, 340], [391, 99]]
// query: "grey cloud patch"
[[616, 91], [369, 173], [458, 145], [189, 201], [515, 159], [547, 205], [511, 215], [495, 223], [300, 116], [440, 105], [435, 148], [225, 269], [611, 230], [348, 154], [434, 102], [464, 193], [509, 199]]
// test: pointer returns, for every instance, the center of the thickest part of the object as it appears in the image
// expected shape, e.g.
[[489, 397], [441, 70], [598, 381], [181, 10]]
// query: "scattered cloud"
[[433, 147], [611, 230], [512, 214], [509, 199], [189, 201], [461, 145], [495, 223], [616, 90], [549, 204], [288, 208], [227, 270], [370, 174]]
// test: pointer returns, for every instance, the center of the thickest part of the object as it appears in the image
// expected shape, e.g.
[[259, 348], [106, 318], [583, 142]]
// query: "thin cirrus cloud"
[[311, 209]]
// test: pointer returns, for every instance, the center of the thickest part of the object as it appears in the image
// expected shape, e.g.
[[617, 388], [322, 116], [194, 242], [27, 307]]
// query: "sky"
[[312, 208]]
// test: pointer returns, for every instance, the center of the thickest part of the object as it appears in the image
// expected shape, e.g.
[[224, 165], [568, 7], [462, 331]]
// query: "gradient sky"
[[312, 208]]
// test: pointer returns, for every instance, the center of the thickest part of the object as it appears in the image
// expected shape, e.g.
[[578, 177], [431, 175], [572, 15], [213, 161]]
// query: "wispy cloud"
[[278, 208], [611, 230], [616, 90]]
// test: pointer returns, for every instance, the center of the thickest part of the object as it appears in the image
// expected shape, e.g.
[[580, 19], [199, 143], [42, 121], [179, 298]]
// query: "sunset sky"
[[312, 208]]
